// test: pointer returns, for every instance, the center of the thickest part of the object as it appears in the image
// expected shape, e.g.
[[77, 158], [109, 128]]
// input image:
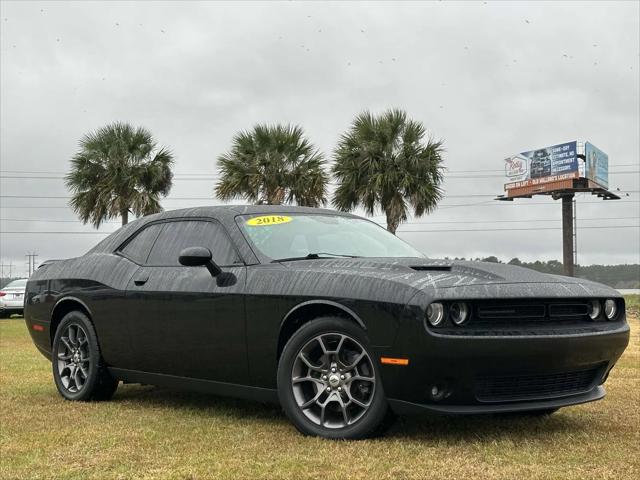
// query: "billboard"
[[597, 165], [535, 167]]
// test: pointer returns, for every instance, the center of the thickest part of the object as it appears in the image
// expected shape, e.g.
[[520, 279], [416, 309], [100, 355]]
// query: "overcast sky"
[[489, 78]]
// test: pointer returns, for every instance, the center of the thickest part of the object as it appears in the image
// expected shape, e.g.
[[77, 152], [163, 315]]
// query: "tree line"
[[616, 276], [382, 162]]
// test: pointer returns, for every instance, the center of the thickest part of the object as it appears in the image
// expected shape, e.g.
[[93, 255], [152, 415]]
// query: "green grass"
[[148, 432], [632, 304]]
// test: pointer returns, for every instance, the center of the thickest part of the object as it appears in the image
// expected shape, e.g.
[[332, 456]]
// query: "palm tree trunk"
[[125, 216], [275, 197], [392, 223]]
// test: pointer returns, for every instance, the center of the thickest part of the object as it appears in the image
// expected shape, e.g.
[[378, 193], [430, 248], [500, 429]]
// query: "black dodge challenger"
[[325, 312]]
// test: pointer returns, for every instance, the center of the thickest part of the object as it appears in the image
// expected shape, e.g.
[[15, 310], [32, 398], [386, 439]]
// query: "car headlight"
[[610, 309], [459, 313], [435, 314], [594, 311]]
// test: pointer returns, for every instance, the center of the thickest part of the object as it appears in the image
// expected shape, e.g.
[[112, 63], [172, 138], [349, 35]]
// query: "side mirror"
[[199, 256]]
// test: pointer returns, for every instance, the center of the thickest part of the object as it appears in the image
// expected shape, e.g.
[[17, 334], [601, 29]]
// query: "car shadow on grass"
[[428, 428]]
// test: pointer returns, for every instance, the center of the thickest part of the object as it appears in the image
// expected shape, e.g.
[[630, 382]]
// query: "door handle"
[[141, 281]]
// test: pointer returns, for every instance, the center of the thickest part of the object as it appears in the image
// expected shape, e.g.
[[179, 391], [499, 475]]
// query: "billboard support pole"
[[567, 234], [575, 233], [557, 171]]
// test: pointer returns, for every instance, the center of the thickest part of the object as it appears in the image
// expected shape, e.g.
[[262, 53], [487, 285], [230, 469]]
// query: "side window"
[[176, 236], [137, 249]]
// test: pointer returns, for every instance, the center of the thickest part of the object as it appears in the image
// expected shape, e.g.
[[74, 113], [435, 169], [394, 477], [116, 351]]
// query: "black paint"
[[185, 327]]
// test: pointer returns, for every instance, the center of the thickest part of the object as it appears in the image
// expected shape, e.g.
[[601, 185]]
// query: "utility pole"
[[31, 261], [2, 267], [575, 233], [567, 233]]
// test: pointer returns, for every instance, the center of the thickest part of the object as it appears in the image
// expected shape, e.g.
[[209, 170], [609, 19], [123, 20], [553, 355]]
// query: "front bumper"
[[460, 374], [401, 407]]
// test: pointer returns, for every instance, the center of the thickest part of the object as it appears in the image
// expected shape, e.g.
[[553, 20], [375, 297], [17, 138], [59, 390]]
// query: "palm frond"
[[272, 164], [383, 162], [118, 168]]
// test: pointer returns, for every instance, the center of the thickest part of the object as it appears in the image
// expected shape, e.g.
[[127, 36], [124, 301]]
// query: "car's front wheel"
[[78, 368], [329, 383]]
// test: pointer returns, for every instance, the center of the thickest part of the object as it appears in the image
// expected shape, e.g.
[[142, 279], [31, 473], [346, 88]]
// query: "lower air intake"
[[535, 387]]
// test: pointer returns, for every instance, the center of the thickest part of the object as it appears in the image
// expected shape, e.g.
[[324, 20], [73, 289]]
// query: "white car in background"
[[12, 298]]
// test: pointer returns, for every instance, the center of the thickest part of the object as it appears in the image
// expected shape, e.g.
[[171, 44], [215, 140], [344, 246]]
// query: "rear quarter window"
[[138, 248]]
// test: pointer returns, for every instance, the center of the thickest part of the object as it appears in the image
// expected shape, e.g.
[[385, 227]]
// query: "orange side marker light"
[[394, 361]]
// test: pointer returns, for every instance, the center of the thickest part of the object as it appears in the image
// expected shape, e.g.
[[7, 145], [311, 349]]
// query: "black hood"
[[423, 273]]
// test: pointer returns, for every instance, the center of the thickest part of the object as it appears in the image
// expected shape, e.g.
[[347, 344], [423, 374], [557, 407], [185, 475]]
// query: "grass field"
[[148, 432]]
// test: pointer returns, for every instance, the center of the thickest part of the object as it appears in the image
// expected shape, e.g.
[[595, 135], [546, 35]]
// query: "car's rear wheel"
[[329, 383], [78, 369]]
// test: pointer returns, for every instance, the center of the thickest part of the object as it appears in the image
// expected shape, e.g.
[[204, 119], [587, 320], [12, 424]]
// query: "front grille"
[[517, 317], [511, 311], [580, 310], [532, 309], [530, 387]]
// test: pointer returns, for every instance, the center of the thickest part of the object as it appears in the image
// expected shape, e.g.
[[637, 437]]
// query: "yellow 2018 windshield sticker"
[[266, 220]]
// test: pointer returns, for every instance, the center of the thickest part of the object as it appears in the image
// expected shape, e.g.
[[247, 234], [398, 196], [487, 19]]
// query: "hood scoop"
[[431, 268]]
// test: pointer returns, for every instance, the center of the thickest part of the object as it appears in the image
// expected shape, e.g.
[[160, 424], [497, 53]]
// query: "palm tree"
[[273, 164], [383, 162], [119, 169]]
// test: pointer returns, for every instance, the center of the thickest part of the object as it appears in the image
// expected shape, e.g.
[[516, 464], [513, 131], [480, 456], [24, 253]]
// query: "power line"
[[511, 229], [54, 232], [62, 197], [434, 222], [618, 165], [489, 203], [514, 221], [49, 221], [178, 174], [399, 231], [209, 177]]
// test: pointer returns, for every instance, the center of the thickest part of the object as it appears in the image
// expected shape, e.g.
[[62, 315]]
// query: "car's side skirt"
[[248, 392]]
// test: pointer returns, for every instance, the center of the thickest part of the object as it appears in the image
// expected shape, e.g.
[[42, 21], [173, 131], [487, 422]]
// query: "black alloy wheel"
[[78, 369], [328, 382]]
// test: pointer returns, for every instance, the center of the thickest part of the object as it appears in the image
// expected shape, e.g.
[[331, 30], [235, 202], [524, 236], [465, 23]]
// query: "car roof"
[[223, 213], [216, 210]]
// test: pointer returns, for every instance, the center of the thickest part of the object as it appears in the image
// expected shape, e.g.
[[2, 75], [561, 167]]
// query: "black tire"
[[98, 384], [369, 422]]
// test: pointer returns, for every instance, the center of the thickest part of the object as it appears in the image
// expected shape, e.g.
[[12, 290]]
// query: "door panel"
[[184, 321], [187, 323]]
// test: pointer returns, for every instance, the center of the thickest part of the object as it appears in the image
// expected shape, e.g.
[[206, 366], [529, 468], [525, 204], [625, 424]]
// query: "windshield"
[[17, 284], [294, 236]]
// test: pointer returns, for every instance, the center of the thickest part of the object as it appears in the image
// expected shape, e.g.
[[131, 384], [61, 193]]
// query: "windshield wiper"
[[314, 256]]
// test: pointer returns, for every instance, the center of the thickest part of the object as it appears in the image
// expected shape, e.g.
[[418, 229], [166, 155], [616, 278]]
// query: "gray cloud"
[[490, 79]]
